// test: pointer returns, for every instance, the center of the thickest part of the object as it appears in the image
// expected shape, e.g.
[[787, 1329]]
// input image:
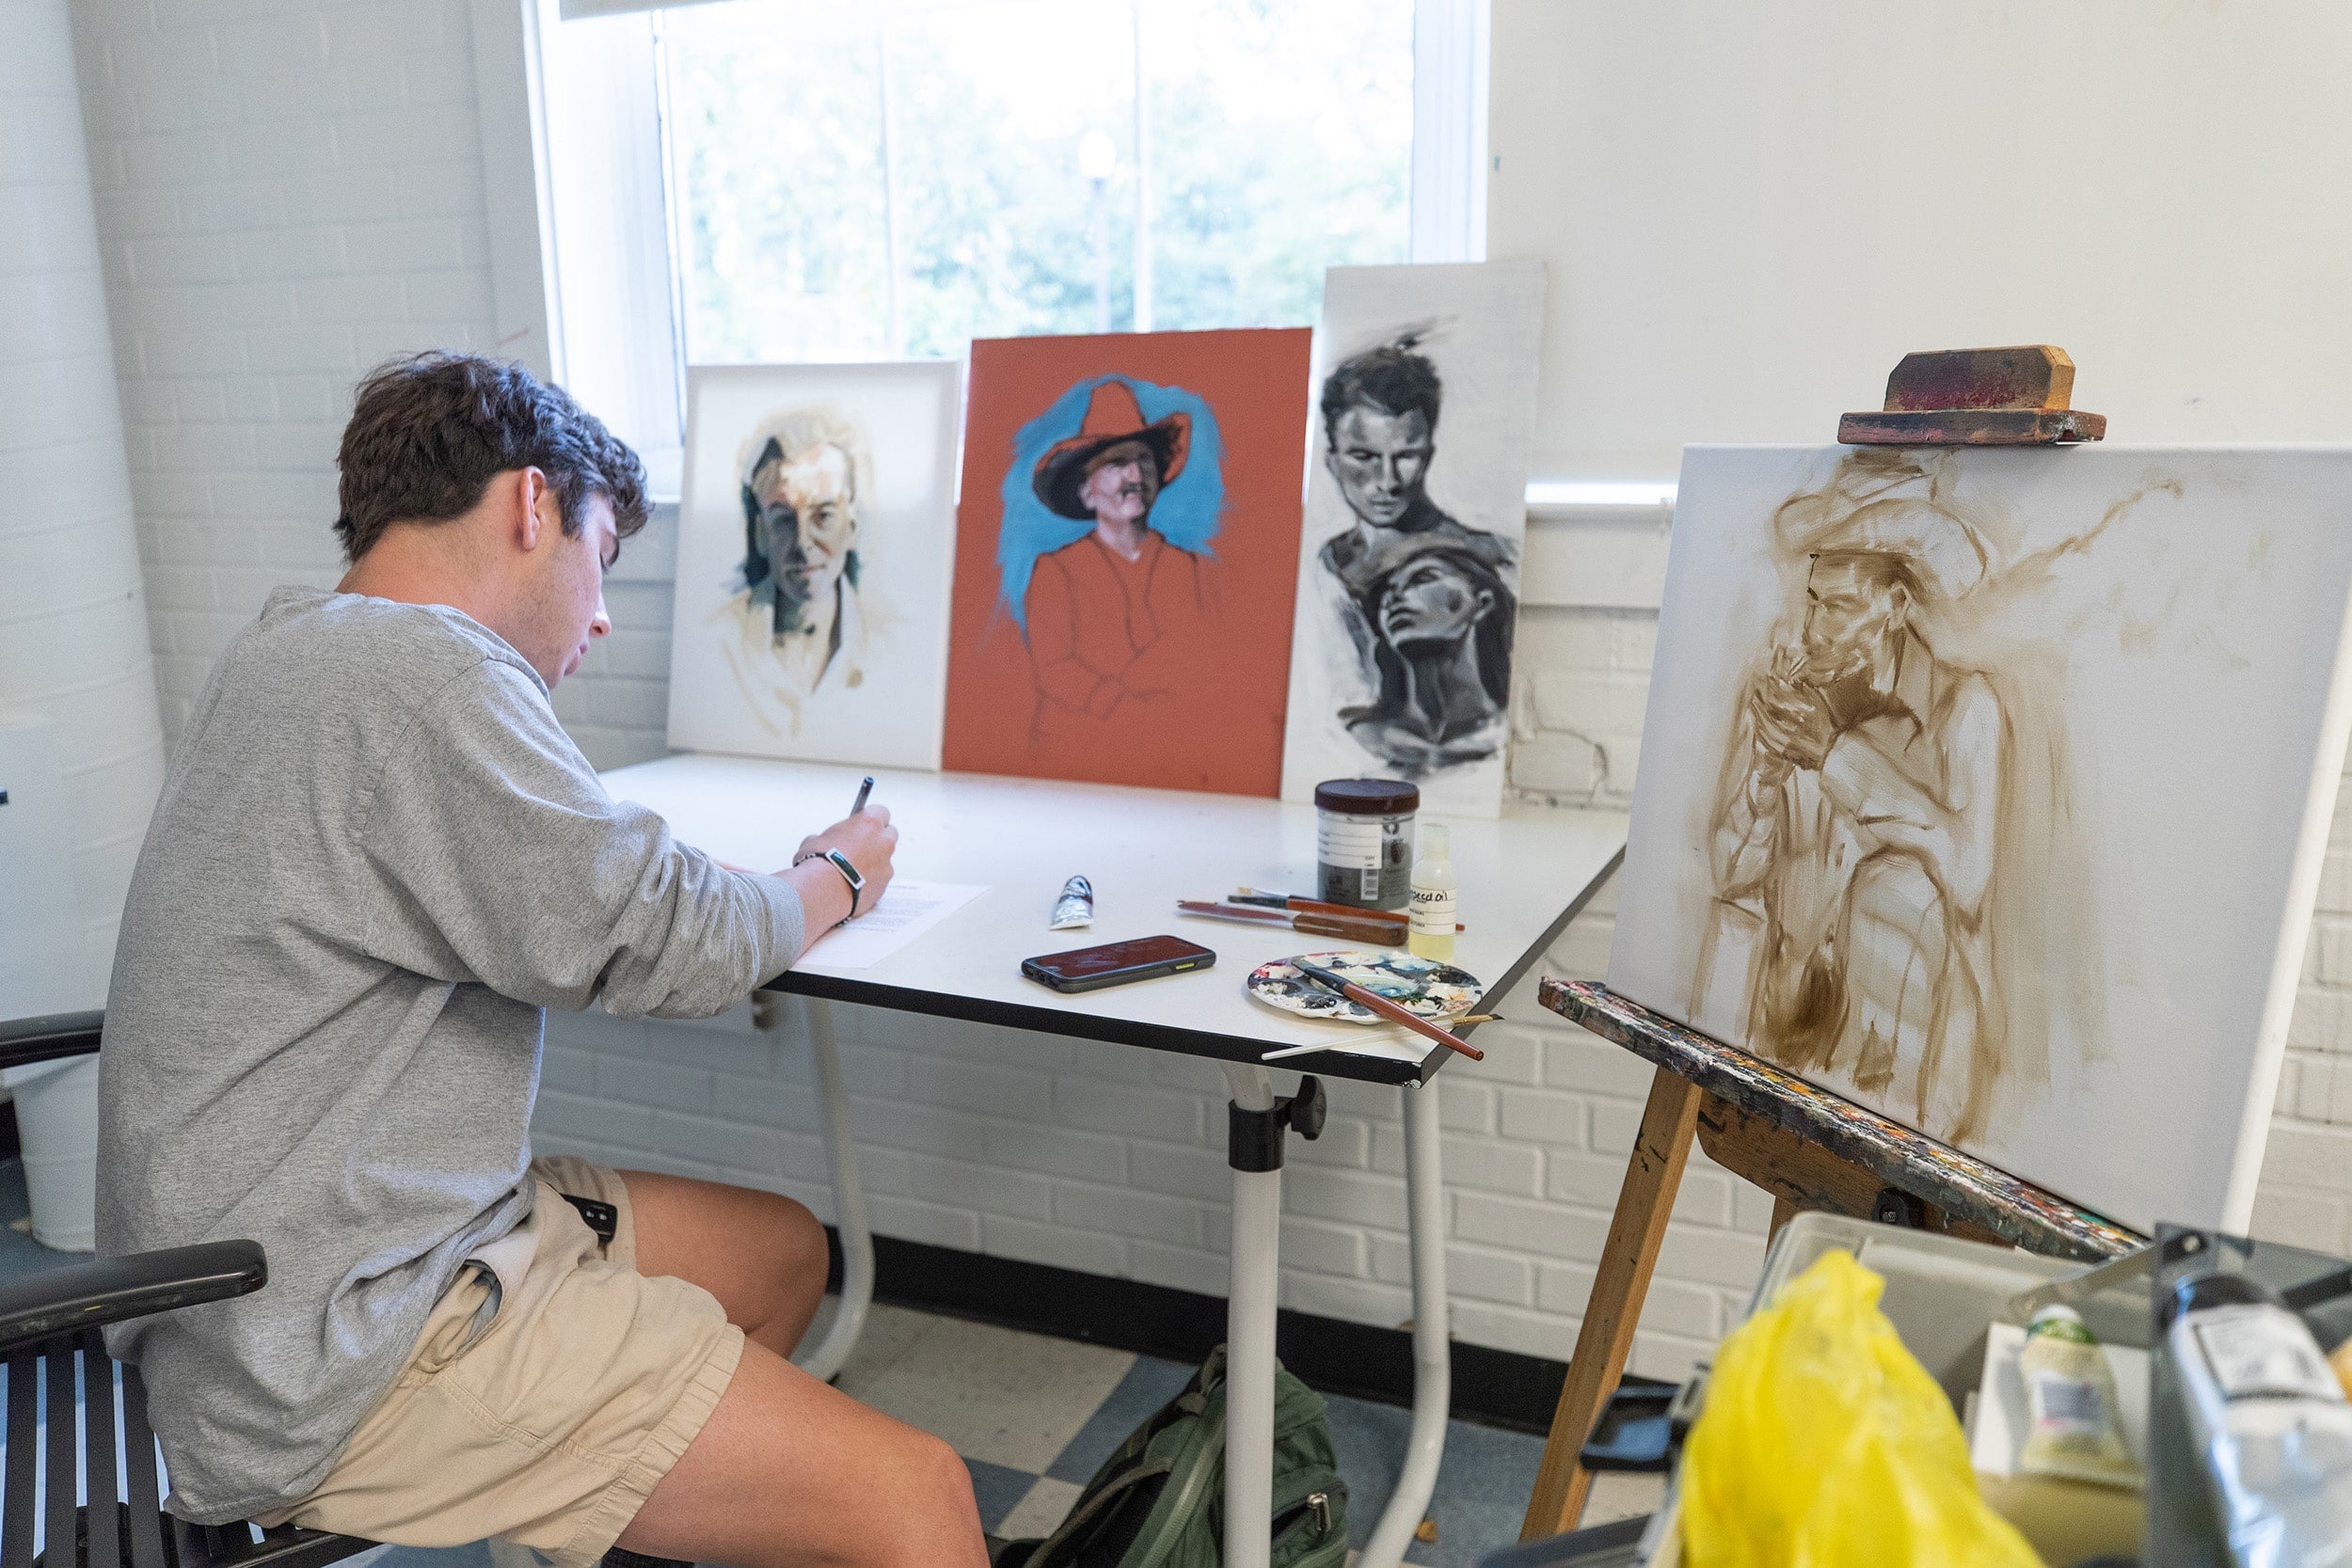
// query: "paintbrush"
[[1299, 901], [1325, 1045], [1364, 997], [1349, 927], [1300, 904]]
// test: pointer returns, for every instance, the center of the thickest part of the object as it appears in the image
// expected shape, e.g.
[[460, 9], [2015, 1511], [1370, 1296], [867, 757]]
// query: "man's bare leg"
[[788, 1472], [761, 1254]]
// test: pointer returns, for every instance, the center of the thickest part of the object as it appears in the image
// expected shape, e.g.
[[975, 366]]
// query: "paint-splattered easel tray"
[[1963, 1187]]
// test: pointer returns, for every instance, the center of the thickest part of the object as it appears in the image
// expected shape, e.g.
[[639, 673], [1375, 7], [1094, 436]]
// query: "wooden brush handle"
[[1350, 912], [1381, 933], [1364, 996]]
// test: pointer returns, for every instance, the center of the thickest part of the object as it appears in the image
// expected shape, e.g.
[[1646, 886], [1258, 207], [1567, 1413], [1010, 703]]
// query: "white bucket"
[[56, 1119]]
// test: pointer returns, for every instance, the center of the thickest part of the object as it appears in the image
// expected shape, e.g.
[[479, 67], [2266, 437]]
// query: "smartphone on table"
[[1115, 963]]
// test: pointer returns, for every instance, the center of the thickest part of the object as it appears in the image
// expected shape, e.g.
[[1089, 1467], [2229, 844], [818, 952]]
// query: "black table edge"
[[1169, 1037]]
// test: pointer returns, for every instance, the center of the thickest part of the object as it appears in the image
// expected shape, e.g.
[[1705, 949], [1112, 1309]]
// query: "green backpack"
[[1159, 1502]]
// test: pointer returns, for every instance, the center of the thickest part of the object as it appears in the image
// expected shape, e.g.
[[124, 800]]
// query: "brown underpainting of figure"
[[1878, 804], [1992, 790]]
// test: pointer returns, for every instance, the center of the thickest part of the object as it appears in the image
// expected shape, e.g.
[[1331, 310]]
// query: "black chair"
[[49, 1332]]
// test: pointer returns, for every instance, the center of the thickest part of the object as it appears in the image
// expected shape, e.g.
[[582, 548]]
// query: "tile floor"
[[1034, 1415]]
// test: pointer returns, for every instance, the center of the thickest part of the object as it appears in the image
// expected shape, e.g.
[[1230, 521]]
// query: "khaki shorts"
[[549, 1423]]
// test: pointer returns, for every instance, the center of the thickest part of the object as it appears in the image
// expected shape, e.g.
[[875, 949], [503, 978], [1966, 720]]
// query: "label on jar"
[[1363, 860], [1349, 841]]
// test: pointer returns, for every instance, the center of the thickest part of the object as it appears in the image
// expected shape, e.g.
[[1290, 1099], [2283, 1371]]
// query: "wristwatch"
[[849, 875]]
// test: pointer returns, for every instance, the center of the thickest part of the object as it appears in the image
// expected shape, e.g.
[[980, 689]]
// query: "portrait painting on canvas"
[[813, 545], [1988, 788], [1126, 557], [1423, 417]]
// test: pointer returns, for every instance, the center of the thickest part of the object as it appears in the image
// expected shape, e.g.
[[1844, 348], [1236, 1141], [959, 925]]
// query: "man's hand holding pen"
[[868, 841]]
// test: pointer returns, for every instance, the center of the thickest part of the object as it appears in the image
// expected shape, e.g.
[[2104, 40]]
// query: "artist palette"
[[1424, 987]]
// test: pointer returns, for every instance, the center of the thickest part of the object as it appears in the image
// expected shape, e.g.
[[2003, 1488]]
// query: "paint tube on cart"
[[2269, 1419], [2076, 1428], [1074, 909]]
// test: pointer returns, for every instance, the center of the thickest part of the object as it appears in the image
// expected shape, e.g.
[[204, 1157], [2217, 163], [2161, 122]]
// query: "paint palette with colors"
[[1422, 985]]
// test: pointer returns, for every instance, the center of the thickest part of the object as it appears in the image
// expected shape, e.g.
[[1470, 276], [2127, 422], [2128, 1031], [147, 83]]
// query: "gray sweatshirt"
[[377, 857]]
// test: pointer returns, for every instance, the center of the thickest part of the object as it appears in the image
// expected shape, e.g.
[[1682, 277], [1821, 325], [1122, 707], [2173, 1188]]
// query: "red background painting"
[[1223, 730]]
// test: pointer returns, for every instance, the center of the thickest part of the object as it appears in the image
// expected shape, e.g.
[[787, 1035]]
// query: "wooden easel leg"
[[1606, 1337]]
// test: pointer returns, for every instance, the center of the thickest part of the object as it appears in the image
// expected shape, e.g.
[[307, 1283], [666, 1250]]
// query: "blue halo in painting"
[[1188, 514]]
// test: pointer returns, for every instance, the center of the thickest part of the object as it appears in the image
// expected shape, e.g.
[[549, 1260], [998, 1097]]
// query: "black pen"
[[862, 791]]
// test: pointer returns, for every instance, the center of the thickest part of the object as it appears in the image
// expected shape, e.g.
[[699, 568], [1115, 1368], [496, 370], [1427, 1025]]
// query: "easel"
[[1806, 1147]]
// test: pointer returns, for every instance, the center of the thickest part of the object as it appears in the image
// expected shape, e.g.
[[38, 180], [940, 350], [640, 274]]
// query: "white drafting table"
[[1522, 878]]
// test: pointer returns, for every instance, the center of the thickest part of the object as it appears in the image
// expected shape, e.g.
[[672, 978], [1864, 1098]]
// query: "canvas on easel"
[[1988, 788], [1423, 419], [814, 538], [1125, 559]]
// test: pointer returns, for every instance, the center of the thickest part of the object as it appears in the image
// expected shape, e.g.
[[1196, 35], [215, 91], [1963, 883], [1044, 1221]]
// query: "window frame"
[[581, 230]]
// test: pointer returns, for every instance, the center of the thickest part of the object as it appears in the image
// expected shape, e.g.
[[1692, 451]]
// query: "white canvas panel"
[[1408, 574], [1989, 788], [815, 540]]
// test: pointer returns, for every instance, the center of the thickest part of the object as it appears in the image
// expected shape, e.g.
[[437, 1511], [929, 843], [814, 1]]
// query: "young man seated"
[[377, 860]]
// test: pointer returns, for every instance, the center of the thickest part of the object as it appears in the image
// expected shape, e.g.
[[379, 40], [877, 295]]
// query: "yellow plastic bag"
[[1824, 1444]]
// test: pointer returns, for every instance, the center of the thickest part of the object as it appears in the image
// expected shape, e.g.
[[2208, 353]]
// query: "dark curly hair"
[[428, 432], [1390, 378]]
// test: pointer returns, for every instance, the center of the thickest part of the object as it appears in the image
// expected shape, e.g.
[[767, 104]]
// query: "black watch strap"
[[851, 875]]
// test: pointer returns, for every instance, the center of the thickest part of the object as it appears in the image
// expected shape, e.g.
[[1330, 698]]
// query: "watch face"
[[847, 870]]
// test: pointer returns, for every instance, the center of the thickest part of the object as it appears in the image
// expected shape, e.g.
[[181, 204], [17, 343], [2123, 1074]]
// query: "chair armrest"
[[48, 1037], [115, 1289]]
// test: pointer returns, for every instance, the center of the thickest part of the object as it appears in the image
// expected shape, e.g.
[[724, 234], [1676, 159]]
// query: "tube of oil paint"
[[1074, 909], [2076, 1428], [2269, 1419]]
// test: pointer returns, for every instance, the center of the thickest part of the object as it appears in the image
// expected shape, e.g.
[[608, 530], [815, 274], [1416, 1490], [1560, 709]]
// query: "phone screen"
[[1085, 968]]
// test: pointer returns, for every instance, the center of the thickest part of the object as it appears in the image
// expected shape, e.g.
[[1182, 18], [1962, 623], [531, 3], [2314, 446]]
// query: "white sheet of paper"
[[906, 912]]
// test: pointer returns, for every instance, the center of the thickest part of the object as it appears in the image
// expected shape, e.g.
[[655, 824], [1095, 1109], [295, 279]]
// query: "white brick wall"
[[74, 641], [288, 191]]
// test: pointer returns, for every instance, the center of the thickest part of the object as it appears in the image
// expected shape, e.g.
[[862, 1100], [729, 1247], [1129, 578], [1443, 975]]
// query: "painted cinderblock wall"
[[288, 191]]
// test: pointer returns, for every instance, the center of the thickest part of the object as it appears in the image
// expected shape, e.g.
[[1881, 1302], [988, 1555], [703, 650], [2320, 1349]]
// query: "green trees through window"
[[877, 181]]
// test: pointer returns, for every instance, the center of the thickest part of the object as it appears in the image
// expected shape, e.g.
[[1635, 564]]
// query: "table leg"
[[1646, 1201], [825, 1359], [1433, 1371], [1249, 1333]]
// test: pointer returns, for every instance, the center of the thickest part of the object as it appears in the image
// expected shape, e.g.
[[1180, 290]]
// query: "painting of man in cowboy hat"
[[1113, 615], [1857, 827], [1985, 789], [1127, 557]]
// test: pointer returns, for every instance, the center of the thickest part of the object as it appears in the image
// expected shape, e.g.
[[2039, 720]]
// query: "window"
[[807, 180], [888, 188]]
